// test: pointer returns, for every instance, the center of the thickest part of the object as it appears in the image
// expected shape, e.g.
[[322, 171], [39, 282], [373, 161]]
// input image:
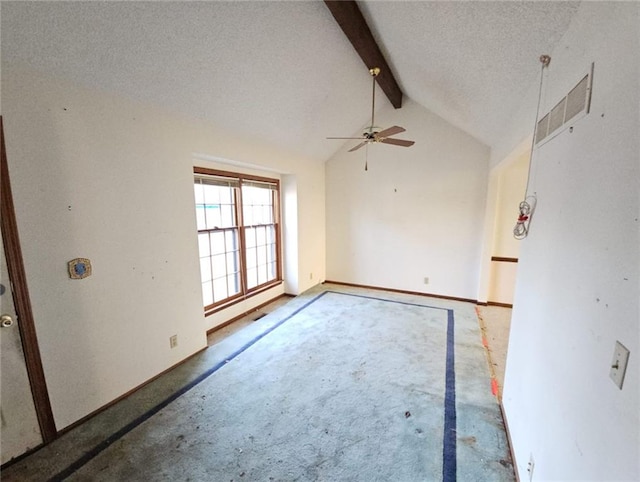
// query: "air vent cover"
[[576, 102], [577, 99]]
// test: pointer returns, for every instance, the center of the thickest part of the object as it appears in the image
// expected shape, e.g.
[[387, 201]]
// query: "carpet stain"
[[468, 440]]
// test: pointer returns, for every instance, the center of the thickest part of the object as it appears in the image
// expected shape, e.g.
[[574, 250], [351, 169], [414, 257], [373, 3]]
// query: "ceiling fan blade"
[[397, 142], [391, 131], [343, 137], [357, 147]]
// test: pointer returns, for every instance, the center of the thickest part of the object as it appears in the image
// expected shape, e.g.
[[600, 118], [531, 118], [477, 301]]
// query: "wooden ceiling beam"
[[349, 17]]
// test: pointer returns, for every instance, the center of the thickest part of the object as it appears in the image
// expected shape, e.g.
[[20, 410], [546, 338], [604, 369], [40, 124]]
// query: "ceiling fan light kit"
[[373, 134]]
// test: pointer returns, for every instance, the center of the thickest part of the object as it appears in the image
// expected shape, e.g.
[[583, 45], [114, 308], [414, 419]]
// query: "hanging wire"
[[366, 157], [526, 207]]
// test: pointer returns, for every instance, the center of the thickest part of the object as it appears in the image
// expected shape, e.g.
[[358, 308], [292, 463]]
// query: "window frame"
[[245, 292]]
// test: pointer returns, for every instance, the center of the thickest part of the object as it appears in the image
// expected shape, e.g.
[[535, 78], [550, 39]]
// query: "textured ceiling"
[[284, 71]]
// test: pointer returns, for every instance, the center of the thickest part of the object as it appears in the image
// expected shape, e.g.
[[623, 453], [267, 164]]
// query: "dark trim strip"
[[449, 456], [503, 259], [404, 292], [503, 305], [449, 443], [349, 17], [22, 301]]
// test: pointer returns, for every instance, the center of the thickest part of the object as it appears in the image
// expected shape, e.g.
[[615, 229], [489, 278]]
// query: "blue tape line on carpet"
[[147, 415], [449, 460], [449, 447], [449, 443], [388, 300]]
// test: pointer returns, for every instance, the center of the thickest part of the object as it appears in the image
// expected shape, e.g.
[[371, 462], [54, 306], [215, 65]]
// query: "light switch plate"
[[619, 364]]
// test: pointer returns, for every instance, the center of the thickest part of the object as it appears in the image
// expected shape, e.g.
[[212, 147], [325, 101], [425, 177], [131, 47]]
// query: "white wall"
[[512, 182], [578, 288], [417, 212], [109, 179], [510, 187]]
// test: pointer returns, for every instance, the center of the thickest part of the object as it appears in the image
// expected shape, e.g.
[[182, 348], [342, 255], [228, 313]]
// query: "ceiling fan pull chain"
[[366, 157]]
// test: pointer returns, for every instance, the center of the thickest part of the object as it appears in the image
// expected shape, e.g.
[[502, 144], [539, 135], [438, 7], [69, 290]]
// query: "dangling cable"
[[366, 157], [527, 206]]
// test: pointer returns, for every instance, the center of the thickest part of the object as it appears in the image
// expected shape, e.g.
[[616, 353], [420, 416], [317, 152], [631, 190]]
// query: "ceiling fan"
[[372, 134]]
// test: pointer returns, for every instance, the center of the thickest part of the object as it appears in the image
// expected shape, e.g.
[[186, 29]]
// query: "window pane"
[[205, 269], [203, 244], [222, 250], [212, 212], [257, 215], [231, 238], [217, 242], [271, 253], [267, 214], [262, 254], [228, 216], [207, 293], [252, 278], [198, 193], [262, 274], [211, 195], [247, 215], [200, 219], [251, 257], [226, 195], [233, 284], [233, 262], [219, 266], [220, 289], [250, 237], [261, 236]]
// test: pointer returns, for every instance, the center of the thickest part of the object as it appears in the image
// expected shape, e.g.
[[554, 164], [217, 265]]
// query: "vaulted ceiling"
[[284, 71]]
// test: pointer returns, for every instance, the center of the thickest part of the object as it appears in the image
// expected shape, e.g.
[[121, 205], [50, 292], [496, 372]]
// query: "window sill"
[[235, 301]]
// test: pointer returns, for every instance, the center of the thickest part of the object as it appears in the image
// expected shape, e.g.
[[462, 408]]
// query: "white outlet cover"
[[619, 364]]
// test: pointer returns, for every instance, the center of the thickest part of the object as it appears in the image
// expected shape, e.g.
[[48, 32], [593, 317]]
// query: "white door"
[[19, 429]]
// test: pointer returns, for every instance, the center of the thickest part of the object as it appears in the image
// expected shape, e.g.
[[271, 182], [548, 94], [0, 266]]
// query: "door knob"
[[6, 321]]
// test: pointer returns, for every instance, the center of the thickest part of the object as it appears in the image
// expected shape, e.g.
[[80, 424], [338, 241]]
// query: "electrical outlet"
[[173, 341], [426, 280], [619, 364], [530, 467]]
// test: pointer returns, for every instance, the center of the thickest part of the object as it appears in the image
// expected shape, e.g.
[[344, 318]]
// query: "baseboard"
[[122, 397], [252, 310], [406, 292], [506, 428], [79, 422]]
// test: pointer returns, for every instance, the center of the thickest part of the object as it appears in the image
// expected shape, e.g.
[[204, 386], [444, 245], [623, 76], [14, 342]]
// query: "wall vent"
[[573, 106]]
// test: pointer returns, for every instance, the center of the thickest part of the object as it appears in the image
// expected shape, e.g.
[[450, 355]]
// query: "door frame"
[[18, 280]]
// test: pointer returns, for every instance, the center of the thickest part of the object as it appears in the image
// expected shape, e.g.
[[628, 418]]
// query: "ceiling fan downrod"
[[374, 71]]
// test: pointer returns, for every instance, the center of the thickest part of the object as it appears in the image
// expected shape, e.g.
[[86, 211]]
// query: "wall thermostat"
[[79, 268]]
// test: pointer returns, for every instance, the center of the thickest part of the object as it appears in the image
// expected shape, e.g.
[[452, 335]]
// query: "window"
[[238, 235]]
